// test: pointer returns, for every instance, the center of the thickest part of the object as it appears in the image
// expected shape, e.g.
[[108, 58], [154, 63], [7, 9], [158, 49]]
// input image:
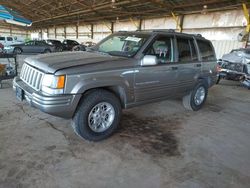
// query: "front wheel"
[[17, 51], [196, 98], [97, 116]]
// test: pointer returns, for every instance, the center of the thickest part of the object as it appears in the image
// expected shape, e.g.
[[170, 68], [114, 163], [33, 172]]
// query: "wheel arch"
[[118, 91], [17, 47]]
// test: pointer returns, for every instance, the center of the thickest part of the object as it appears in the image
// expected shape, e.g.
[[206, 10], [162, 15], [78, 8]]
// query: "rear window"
[[2, 38], [206, 50], [186, 50]]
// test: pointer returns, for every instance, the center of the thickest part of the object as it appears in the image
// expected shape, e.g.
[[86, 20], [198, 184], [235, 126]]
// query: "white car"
[[7, 41]]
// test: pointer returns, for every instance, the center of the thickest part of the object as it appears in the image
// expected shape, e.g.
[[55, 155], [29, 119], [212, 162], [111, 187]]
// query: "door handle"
[[198, 65], [174, 68]]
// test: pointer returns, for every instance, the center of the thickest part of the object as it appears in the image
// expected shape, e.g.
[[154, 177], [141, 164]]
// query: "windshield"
[[126, 45]]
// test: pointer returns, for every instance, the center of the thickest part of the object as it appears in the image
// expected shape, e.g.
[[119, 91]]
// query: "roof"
[[163, 31], [45, 13]]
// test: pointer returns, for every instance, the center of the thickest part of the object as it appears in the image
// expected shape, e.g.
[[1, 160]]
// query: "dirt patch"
[[214, 108], [154, 135]]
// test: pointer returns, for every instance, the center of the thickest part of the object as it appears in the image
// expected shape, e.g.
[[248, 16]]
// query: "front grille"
[[31, 76]]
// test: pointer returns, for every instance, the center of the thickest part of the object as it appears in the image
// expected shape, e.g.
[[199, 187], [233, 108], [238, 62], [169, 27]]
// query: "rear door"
[[40, 47], [208, 58], [189, 66], [157, 81]]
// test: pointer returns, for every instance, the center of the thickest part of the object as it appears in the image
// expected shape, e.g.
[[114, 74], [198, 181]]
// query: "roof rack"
[[157, 30]]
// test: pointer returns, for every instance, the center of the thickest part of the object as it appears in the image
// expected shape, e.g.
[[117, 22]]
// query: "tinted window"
[[162, 48], [186, 50], [9, 39], [56, 42], [2, 38], [30, 43], [40, 43], [206, 50]]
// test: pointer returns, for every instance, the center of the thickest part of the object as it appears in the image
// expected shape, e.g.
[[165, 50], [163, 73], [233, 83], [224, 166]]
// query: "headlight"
[[52, 84]]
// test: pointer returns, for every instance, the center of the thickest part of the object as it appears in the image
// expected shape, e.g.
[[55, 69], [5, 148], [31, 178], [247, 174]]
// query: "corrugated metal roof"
[[59, 12]]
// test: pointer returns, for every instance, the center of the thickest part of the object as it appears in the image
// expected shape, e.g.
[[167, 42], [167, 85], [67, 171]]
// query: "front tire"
[[196, 98], [97, 116], [17, 51]]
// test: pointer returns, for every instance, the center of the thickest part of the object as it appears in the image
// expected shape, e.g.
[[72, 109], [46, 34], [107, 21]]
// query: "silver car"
[[124, 70], [30, 47]]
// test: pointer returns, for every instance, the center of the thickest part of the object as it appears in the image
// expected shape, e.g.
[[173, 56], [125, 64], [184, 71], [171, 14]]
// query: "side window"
[[9, 39], [193, 50], [206, 50], [30, 43], [162, 48], [186, 50], [39, 43], [2, 38]]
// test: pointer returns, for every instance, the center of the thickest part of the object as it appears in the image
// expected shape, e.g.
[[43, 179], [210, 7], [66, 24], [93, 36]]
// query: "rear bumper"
[[213, 79], [61, 105]]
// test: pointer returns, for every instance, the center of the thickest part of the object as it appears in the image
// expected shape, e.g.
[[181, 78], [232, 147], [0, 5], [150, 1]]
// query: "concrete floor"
[[157, 145]]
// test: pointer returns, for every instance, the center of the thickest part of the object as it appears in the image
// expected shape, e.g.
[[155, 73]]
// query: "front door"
[[157, 81], [28, 47]]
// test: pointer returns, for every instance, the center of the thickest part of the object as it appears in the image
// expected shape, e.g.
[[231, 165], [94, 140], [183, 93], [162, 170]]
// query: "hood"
[[237, 57], [53, 62]]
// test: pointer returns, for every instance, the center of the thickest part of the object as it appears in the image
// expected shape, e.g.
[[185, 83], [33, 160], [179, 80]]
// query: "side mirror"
[[149, 60]]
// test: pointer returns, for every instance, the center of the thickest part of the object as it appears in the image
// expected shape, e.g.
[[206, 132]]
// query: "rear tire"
[[47, 51], [98, 115], [196, 98]]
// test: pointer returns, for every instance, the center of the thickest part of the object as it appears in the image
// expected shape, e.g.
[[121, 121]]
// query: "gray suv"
[[124, 70]]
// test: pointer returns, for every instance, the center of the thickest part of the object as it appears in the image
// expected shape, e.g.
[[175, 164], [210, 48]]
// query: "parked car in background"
[[69, 44], [89, 44], [7, 41], [79, 47], [30, 47], [57, 43], [124, 70], [235, 66]]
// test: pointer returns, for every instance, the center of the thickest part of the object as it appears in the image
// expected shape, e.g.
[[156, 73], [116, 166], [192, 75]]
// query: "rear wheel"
[[47, 51], [98, 115], [17, 51], [196, 98]]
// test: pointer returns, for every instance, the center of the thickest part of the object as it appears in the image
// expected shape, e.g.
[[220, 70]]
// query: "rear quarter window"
[[9, 39], [206, 50], [186, 50]]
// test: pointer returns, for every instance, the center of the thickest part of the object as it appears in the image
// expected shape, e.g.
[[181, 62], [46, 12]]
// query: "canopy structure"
[[47, 13], [13, 17]]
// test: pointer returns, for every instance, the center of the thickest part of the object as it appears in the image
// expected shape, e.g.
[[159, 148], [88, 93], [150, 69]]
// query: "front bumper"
[[8, 50], [60, 105]]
